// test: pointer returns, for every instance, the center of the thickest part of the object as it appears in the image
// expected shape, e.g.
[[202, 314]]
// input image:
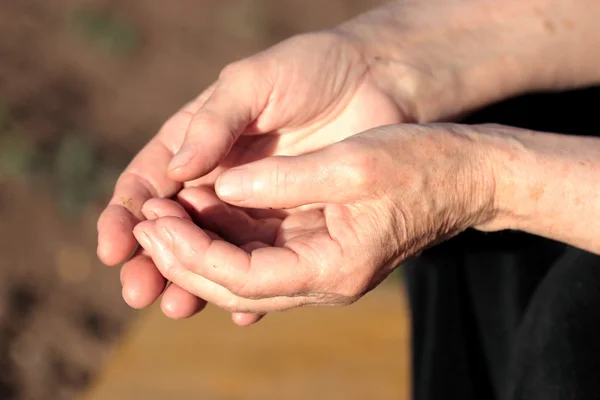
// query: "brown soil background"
[[83, 84]]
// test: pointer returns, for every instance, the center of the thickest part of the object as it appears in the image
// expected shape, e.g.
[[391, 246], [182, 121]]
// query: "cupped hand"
[[376, 199], [296, 97]]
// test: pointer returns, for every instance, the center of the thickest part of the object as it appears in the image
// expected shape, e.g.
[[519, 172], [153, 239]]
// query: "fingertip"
[[193, 170], [245, 320], [143, 227], [182, 159], [142, 282], [149, 209], [196, 196], [106, 257], [157, 208], [208, 139], [114, 253], [178, 304], [132, 298], [115, 238], [186, 168]]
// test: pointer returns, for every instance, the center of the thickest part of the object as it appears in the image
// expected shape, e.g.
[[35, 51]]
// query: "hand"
[[384, 195], [301, 95], [433, 60], [180, 303]]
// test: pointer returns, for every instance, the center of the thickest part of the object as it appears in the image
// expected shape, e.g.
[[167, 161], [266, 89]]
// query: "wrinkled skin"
[[298, 96], [353, 228]]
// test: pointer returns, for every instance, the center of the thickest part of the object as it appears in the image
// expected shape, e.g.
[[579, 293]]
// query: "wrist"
[[457, 165], [519, 171], [470, 185], [441, 59]]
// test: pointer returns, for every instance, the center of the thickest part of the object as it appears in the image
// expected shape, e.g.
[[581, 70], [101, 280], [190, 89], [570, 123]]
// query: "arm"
[[546, 184], [441, 59], [416, 60], [375, 199]]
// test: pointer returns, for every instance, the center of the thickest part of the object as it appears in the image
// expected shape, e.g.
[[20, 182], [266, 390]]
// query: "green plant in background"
[[16, 154], [105, 29], [80, 174], [73, 167], [16, 157]]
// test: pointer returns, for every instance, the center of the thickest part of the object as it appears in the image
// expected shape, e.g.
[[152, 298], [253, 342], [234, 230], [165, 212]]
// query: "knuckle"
[[237, 69], [281, 178], [174, 261], [359, 165], [277, 181], [231, 304], [169, 269], [231, 69], [361, 175], [242, 290]]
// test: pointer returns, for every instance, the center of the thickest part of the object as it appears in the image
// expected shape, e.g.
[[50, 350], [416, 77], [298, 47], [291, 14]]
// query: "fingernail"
[[144, 240], [183, 156], [234, 185]]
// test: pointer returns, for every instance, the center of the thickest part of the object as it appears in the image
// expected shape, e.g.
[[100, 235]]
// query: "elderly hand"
[[405, 61], [298, 96], [367, 203]]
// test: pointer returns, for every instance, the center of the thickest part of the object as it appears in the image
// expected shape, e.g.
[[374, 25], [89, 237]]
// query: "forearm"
[[442, 58], [546, 184]]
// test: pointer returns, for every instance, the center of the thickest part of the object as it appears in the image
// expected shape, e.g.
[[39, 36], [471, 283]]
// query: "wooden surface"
[[357, 352]]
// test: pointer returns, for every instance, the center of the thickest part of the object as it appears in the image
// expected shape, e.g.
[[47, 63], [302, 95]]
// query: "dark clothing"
[[507, 315]]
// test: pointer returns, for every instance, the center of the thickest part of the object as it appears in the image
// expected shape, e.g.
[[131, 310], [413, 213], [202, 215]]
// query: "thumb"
[[287, 182], [239, 97]]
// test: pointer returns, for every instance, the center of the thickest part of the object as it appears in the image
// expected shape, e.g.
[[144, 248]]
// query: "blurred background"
[[83, 85]]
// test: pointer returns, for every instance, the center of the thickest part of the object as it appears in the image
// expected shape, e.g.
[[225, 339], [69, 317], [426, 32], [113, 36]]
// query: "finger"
[[243, 319], [142, 282], [205, 288], [263, 273], [178, 303], [143, 179], [161, 208], [246, 319], [158, 208], [239, 97], [231, 223], [326, 175]]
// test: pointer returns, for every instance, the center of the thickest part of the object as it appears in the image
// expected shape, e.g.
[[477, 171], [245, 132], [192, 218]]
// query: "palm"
[[286, 128], [309, 114], [312, 232], [367, 108], [326, 236]]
